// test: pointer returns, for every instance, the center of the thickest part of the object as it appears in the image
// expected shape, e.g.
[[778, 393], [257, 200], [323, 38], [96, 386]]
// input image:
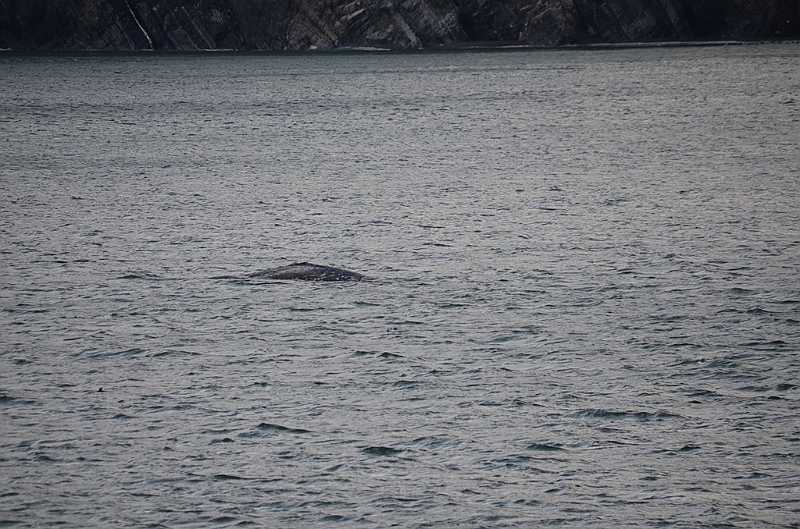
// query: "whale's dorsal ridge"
[[308, 272]]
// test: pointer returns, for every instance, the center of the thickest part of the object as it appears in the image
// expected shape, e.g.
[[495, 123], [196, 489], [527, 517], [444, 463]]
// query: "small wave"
[[223, 520], [227, 477], [333, 518], [141, 274], [135, 351], [773, 345], [381, 451], [757, 310], [545, 447], [689, 361], [703, 393], [174, 352], [435, 442], [597, 413], [755, 389], [504, 338], [278, 428], [7, 400], [723, 363]]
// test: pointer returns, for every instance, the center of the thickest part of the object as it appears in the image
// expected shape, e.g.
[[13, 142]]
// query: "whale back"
[[308, 272]]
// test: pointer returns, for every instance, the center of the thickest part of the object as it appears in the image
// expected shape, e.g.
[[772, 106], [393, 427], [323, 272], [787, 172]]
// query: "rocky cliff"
[[399, 24]]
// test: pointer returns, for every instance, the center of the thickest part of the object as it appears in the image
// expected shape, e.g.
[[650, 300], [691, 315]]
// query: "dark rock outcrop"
[[398, 24]]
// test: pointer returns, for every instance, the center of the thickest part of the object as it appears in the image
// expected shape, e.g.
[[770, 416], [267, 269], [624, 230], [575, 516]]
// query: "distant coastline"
[[458, 47]]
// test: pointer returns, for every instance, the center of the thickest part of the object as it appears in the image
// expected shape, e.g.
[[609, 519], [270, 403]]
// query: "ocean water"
[[585, 311]]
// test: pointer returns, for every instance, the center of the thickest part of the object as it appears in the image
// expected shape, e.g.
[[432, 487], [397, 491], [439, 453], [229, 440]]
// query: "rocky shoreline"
[[188, 25]]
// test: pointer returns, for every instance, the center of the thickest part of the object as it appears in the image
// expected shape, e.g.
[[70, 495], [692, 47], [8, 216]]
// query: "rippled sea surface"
[[585, 312]]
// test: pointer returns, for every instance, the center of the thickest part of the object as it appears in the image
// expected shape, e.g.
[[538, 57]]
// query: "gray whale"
[[308, 272]]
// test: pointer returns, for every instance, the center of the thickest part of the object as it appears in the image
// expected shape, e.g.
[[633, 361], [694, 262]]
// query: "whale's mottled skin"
[[308, 272]]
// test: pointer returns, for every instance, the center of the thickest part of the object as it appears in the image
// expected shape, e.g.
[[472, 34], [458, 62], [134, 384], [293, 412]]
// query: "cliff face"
[[399, 24]]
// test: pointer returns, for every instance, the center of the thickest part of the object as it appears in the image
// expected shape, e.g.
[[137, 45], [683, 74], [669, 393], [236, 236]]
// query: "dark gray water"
[[586, 311]]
